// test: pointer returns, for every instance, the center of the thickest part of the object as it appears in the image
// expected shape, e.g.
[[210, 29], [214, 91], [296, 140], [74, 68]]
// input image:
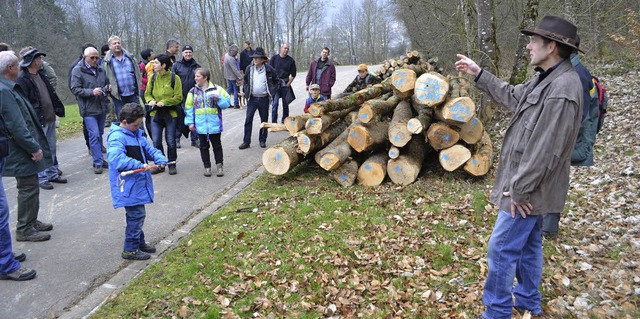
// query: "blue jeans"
[[50, 172], [232, 89], [8, 264], [118, 104], [133, 234], [95, 128], [281, 93], [169, 128], [515, 250], [260, 104], [550, 222]]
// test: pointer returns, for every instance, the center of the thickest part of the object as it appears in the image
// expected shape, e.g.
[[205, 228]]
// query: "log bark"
[[472, 131], [399, 135], [334, 154], [431, 89], [308, 143], [373, 170], [441, 136], [345, 175], [365, 137], [281, 158], [421, 122], [355, 99], [456, 111], [403, 81], [371, 109], [405, 169], [273, 127], [294, 124], [481, 160], [454, 157]]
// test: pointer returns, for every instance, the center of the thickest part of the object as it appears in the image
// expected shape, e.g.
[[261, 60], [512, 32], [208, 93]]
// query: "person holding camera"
[[90, 85]]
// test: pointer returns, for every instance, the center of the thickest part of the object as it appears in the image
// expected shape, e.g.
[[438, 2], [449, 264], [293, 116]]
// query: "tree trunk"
[[294, 124], [273, 127], [371, 109], [399, 135], [454, 157], [394, 152], [421, 122], [365, 137], [431, 89], [355, 99], [373, 171], [472, 131], [281, 158], [441, 136], [521, 61], [308, 143], [403, 81], [489, 53], [345, 175], [315, 125], [456, 111], [481, 160], [405, 169], [334, 154]]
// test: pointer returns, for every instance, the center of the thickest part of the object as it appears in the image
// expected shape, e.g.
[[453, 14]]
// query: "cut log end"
[[276, 161], [454, 157]]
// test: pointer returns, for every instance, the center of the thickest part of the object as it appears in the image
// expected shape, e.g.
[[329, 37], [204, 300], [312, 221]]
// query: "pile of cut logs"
[[388, 129], [412, 57]]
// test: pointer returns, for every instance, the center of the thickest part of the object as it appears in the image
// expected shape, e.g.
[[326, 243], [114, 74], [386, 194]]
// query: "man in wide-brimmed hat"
[[533, 173], [260, 85]]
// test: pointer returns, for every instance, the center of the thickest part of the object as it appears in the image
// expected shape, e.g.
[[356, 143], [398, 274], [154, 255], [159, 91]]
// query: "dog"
[[241, 98]]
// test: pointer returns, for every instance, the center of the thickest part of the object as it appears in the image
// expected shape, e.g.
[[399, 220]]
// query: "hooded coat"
[[127, 150]]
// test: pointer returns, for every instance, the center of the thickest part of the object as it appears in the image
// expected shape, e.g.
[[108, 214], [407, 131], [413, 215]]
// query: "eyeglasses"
[[93, 57]]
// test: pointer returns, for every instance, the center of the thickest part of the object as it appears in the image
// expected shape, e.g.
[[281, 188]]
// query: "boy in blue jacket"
[[128, 149]]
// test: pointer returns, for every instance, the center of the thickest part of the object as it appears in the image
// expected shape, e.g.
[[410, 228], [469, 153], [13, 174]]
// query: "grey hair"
[[114, 37], [7, 58]]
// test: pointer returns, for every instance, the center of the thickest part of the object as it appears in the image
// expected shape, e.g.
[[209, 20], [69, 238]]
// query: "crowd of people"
[[532, 178]]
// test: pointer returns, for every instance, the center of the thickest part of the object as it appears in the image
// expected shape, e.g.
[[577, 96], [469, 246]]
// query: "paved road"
[[81, 266]]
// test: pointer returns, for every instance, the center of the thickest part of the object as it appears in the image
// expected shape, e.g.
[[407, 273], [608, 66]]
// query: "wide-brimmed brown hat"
[[556, 29]]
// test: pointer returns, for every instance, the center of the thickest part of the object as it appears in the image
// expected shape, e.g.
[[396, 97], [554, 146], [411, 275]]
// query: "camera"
[[105, 90]]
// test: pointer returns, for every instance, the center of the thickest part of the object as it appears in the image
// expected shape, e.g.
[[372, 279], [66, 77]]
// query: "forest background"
[[360, 31]]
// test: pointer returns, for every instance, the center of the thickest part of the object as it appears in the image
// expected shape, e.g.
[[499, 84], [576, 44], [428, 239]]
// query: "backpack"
[[603, 99]]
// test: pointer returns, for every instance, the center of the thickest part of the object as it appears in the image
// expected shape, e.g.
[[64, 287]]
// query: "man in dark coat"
[[44, 100], [323, 72], [29, 153], [186, 70]]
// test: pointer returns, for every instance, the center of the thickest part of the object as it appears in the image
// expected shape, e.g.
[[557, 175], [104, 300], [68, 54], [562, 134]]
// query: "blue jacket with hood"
[[126, 151]]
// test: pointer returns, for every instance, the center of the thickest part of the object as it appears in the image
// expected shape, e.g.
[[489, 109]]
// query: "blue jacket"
[[200, 109], [126, 151]]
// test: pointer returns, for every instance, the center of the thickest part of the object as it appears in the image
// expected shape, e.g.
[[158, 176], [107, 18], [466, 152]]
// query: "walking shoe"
[[219, 171], [34, 236], [105, 164], [46, 185], [59, 172], [207, 171], [21, 257], [156, 170], [173, 171], [103, 149], [21, 274], [147, 248], [135, 255], [40, 226], [178, 143], [263, 144], [97, 169], [243, 146], [58, 180]]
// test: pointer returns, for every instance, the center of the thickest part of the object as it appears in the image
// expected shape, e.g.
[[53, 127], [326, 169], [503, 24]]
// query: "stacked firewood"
[[388, 129], [412, 57]]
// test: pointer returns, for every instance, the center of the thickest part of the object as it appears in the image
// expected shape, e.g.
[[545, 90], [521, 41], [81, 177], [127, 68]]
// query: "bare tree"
[[529, 16]]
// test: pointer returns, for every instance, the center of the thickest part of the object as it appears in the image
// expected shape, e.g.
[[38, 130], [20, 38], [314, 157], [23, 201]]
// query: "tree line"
[[358, 32]]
